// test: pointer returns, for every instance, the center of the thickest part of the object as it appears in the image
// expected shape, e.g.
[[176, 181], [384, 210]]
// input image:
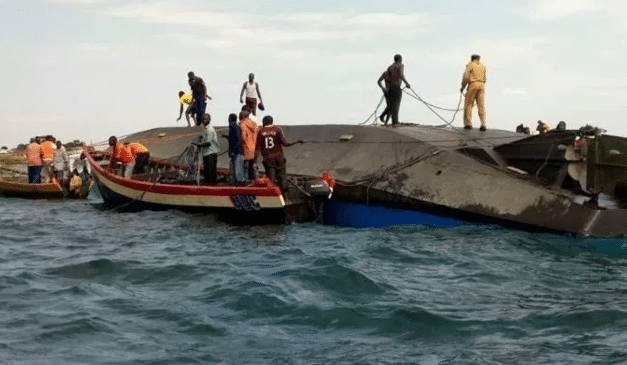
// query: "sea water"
[[80, 284]]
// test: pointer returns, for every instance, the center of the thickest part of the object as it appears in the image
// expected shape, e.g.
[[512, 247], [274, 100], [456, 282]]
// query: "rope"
[[374, 114], [432, 107]]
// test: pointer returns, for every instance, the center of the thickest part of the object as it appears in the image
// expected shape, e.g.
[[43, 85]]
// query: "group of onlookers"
[[542, 127], [246, 142], [246, 139], [47, 160]]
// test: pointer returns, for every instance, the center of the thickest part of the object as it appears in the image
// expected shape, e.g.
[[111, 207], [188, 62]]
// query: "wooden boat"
[[168, 185], [18, 187]]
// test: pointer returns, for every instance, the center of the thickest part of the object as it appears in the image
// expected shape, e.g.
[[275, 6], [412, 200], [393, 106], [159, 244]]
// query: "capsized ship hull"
[[543, 182], [490, 177]]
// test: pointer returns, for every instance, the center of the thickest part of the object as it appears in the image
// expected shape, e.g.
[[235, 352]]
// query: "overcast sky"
[[87, 69]]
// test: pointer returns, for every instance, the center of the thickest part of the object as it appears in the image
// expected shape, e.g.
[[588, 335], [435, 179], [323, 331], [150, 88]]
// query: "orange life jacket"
[[123, 154], [136, 148], [47, 150]]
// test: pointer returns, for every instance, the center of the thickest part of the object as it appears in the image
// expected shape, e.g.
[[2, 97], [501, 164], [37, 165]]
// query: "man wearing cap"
[[475, 78]]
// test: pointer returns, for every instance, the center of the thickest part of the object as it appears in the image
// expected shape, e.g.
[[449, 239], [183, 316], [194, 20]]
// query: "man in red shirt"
[[270, 142]]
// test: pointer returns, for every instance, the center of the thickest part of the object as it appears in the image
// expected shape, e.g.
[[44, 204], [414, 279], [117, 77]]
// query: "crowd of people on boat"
[[246, 139], [48, 162]]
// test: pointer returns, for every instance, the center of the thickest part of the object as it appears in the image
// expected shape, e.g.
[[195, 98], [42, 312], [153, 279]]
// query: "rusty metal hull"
[[450, 173]]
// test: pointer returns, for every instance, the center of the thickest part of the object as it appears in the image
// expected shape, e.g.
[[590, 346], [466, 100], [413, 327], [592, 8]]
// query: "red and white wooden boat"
[[169, 185]]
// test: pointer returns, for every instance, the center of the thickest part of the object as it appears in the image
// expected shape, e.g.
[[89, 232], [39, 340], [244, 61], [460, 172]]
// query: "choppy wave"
[[80, 284]]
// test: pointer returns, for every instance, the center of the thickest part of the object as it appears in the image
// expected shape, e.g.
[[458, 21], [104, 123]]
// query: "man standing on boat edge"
[[199, 93], [270, 142], [394, 77], [475, 78], [249, 141], [209, 149], [236, 152]]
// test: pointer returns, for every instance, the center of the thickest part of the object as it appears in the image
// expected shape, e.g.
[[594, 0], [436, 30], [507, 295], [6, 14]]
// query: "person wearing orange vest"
[[249, 142], [141, 153], [123, 155], [48, 148], [33, 158]]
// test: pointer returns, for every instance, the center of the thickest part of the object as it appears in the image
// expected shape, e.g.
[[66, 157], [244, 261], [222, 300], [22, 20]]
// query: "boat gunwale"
[[177, 189]]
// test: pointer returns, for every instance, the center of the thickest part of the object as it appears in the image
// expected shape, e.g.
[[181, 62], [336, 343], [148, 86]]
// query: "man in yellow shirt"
[[189, 101], [475, 78]]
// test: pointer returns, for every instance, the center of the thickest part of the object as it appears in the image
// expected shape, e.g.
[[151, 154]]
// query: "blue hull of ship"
[[349, 214]]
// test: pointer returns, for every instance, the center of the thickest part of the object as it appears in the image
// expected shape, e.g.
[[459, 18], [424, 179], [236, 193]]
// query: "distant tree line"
[[73, 144]]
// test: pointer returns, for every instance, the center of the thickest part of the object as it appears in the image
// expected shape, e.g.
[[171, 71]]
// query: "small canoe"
[[42, 191]]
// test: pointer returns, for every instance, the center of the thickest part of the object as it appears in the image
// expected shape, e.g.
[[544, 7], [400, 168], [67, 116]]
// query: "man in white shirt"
[[251, 87], [209, 149]]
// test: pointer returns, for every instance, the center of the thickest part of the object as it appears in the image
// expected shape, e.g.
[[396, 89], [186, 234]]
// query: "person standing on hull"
[[249, 143], [209, 149], [251, 87], [34, 161], [270, 142], [385, 115], [395, 76], [186, 99], [475, 78], [199, 94]]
